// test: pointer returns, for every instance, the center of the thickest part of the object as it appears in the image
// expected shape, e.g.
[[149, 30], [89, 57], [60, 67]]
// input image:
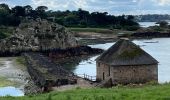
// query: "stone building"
[[125, 62]]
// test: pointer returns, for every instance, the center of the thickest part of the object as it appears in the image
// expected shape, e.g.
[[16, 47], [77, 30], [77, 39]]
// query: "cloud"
[[61, 4], [163, 2], [111, 6]]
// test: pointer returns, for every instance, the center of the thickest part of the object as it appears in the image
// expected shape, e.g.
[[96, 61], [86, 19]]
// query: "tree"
[[163, 24], [18, 11], [130, 17], [4, 13], [41, 8], [28, 9], [4, 7], [41, 11]]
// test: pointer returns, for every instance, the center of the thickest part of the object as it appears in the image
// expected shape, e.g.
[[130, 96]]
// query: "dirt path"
[[81, 83]]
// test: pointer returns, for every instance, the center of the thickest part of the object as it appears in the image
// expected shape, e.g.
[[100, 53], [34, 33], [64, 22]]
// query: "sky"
[[116, 7]]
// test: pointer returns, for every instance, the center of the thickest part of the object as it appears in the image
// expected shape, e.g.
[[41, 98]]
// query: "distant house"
[[125, 62]]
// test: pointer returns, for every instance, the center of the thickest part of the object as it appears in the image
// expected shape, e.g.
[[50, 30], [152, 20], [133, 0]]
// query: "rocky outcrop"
[[38, 35], [73, 52]]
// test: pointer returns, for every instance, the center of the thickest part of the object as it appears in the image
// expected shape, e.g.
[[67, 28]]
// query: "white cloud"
[[80, 3], [163, 2], [111, 6], [61, 4]]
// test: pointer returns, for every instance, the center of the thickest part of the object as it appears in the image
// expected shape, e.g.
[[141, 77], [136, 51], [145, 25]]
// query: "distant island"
[[152, 17]]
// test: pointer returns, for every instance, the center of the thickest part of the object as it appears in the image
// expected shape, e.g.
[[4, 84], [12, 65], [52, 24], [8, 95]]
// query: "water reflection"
[[147, 24]]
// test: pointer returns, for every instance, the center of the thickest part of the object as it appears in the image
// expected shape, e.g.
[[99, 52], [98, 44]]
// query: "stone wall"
[[45, 73], [102, 71], [128, 74]]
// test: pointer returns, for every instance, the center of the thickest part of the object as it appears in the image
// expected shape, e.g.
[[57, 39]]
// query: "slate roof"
[[124, 52]]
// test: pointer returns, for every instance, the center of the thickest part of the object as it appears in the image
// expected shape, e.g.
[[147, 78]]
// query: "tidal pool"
[[10, 91], [12, 77], [159, 48]]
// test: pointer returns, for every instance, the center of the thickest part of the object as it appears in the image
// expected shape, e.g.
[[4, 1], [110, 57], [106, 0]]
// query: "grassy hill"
[[149, 92]]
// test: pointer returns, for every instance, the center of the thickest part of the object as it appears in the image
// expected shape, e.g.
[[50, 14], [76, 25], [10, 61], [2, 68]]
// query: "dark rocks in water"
[[75, 51], [36, 35], [150, 34]]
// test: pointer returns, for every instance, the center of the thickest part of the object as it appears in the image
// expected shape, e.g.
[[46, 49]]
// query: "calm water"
[[147, 24], [159, 50], [12, 91], [10, 70]]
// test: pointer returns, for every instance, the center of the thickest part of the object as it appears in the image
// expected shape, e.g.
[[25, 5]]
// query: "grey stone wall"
[[102, 71], [128, 74]]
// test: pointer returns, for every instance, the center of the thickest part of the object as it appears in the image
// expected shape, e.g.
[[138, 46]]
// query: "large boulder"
[[38, 35]]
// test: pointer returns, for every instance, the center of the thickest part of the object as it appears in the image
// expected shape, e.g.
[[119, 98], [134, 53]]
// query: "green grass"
[[97, 30], [100, 30], [156, 92]]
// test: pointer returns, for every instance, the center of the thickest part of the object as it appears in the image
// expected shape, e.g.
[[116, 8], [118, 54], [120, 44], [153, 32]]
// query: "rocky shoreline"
[[150, 35]]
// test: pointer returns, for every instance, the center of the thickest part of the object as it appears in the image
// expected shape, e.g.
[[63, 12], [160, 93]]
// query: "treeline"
[[82, 18], [79, 18], [14, 16]]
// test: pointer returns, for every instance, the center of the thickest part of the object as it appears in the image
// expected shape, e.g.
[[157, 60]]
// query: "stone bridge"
[[47, 74]]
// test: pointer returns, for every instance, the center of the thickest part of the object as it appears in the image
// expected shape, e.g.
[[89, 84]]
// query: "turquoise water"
[[159, 49]]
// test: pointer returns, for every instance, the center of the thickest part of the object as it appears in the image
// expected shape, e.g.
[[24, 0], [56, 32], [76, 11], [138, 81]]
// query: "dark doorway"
[[109, 71], [103, 76]]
